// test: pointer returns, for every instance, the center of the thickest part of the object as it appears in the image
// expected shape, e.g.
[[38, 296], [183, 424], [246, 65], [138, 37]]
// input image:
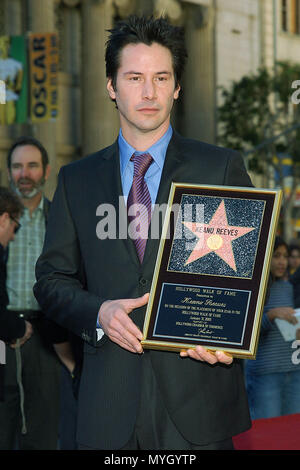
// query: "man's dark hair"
[[27, 140], [10, 203], [145, 30], [279, 241], [293, 247]]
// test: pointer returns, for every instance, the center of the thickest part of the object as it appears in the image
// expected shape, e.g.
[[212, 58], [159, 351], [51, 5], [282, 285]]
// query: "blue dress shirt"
[[157, 151]]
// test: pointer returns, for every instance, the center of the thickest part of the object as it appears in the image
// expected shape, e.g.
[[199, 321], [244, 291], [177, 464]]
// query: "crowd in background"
[[273, 378], [43, 360]]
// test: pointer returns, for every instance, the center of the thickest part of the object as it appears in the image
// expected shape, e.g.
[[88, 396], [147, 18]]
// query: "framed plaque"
[[212, 269]]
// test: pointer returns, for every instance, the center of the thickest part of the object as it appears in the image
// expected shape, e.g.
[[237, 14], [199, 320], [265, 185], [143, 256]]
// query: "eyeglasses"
[[18, 225]]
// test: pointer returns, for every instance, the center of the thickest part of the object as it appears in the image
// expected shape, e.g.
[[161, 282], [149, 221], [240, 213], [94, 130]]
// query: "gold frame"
[[250, 351]]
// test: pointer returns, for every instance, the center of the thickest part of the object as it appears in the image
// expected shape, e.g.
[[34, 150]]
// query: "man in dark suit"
[[96, 283]]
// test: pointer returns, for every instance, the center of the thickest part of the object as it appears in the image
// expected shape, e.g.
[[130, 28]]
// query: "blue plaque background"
[[176, 319]]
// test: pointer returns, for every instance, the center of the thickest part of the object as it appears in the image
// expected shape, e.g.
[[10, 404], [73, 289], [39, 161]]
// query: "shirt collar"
[[157, 150], [41, 204], [39, 208]]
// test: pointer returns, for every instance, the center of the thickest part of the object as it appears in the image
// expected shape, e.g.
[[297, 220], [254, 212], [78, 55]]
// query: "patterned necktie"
[[139, 203]]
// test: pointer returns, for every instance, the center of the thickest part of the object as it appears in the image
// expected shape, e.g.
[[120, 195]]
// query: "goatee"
[[36, 188]]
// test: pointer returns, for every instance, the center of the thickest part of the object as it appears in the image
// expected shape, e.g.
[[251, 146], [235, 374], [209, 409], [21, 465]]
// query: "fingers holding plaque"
[[212, 269]]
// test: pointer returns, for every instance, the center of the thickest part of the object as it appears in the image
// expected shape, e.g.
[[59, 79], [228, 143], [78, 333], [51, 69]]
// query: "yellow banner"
[[43, 59]]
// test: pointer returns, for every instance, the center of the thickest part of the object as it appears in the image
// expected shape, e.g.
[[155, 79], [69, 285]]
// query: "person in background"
[[294, 272], [273, 380], [29, 416], [11, 326], [294, 259]]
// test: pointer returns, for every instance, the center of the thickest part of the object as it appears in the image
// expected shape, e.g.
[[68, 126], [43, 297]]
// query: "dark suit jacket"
[[11, 326], [295, 280], [77, 272]]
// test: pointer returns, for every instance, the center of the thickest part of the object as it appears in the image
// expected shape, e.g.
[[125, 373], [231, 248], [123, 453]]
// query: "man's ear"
[[110, 89], [47, 172], [3, 219], [176, 92]]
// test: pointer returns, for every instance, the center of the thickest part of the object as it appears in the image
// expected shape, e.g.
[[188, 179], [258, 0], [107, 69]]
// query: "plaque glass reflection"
[[212, 269]]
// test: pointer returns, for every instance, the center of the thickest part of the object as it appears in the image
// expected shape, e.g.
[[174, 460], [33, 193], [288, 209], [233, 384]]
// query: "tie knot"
[[141, 163]]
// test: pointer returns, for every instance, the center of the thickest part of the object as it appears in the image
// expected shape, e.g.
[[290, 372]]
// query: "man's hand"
[[201, 354], [27, 335], [285, 313], [114, 320]]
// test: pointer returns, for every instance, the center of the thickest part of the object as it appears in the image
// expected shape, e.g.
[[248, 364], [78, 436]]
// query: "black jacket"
[[295, 280], [77, 272], [11, 326]]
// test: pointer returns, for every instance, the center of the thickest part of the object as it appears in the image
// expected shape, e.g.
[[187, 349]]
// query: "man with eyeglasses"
[[11, 326], [30, 411]]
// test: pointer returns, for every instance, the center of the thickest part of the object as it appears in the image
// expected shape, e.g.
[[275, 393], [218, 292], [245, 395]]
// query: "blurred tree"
[[259, 118]]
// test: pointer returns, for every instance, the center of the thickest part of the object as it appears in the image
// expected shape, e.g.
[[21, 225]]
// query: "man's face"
[[27, 175], [7, 229], [145, 88], [279, 262], [294, 259]]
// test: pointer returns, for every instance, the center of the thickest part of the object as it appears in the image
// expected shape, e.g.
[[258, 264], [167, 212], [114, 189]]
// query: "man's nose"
[[149, 90], [24, 172]]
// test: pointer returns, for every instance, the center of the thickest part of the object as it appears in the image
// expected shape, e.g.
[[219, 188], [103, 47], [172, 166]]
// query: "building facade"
[[226, 39]]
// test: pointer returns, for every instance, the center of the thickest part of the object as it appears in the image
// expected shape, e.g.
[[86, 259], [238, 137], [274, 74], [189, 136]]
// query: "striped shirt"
[[274, 354], [23, 254]]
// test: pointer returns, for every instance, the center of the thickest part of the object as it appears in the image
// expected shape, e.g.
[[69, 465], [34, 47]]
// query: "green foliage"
[[256, 110]]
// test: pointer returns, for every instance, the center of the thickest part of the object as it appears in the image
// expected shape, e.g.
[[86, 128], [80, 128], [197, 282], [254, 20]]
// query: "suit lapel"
[[173, 163], [111, 186]]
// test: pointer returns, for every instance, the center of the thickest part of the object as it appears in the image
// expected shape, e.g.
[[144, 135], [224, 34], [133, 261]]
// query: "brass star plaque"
[[212, 269]]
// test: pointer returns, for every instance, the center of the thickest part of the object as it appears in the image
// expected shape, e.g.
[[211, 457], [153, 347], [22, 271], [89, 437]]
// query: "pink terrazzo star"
[[216, 237]]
